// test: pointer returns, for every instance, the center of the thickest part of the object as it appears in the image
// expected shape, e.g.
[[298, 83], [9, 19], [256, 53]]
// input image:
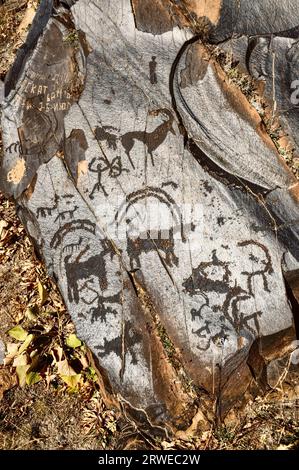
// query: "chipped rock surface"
[[1, 91], [155, 198]]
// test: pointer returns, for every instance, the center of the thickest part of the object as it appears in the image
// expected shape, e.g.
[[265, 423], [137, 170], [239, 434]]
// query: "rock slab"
[[157, 202]]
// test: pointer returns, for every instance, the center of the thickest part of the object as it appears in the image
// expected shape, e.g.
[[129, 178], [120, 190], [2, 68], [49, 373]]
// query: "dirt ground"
[[49, 393]]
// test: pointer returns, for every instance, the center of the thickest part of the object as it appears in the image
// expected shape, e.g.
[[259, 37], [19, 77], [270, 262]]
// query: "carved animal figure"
[[218, 339], [128, 341], [102, 134], [59, 203], [200, 281], [72, 246], [262, 264], [144, 242], [101, 310], [71, 227], [14, 147], [205, 328], [67, 213], [198, 313], [152, 140], [77, 270], [137, 246], [44, 211]]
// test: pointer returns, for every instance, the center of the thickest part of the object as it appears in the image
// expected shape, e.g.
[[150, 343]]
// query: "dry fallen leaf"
[[12, 350], [167, 445], [18, 333], [64, 368], [33, 378], [73, 342], [3, 225], [283, 447], [7, 380], [21, 373], [71, 380], [43, 294], [20, 360]]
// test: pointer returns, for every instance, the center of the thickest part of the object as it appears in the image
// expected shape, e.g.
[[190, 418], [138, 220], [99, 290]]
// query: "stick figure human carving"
[[100, 166], [152, 68]]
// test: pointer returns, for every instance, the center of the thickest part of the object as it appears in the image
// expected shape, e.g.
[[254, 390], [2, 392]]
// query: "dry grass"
[[11, 15]]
